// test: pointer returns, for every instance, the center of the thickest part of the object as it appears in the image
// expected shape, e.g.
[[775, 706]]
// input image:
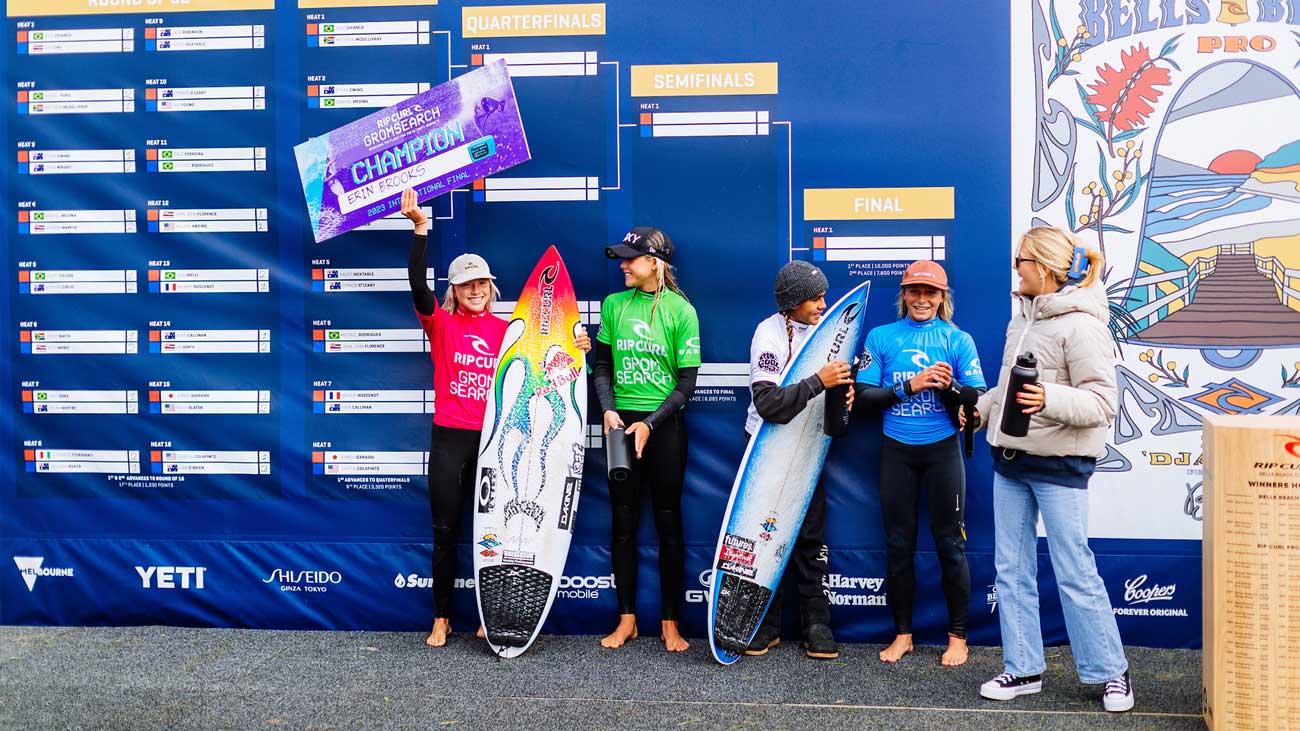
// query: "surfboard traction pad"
[[741, 606], [514, 598]]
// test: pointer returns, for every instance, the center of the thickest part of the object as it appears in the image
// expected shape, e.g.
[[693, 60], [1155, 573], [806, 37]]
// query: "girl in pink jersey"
[[464, 339]]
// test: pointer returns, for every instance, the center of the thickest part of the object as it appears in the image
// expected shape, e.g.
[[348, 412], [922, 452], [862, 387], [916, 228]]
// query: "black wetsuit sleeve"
[[682, 393], [779, 405], [417, 267], [873, 398], [604, 376]]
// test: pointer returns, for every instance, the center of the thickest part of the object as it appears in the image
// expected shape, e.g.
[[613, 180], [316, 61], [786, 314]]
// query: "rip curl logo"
[[919, 358], [549, 274], [480, 345], [641, 328], [768, 363], [851, 313], [1292, 445]]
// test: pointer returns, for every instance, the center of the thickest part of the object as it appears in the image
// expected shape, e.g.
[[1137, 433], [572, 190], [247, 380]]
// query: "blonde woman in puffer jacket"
[[1061, 316]]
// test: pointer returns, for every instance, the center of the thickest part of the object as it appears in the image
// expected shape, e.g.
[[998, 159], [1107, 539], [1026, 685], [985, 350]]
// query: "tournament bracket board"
[[855, 113], [145, 241]]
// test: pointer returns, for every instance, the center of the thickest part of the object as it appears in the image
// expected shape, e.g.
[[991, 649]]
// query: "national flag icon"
[[336, 407], [166, 44], [327, 90], [38, 168], [173, 468], [42, 408], [333, 346], [327, 40], [37, 36], [38, 227], [334, 335], [164, 154], [328, 103], [327, 28], [42, 396], [336, 285], [38, 276], [169, 346], [169, 335], [38, 216], [167, 93], [38, 96], [336, 395], [39, 348], [167, 214], [332, 274], [40, 288], [164, 32], [168, 165], [34, 156], [45, 467], [38, 336], [169, 275]]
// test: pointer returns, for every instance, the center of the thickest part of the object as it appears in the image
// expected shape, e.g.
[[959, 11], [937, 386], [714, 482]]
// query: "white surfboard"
[[530, 461], [773, 487]]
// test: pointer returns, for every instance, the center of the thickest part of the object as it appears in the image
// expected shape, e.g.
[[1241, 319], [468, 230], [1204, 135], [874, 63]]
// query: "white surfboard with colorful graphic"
[[530, 460]]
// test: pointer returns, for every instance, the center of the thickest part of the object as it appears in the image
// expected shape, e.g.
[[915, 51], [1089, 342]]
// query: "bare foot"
[[901, 645], [482, 633], [438, 635], [626, 630], [673, 640], [956, 653]]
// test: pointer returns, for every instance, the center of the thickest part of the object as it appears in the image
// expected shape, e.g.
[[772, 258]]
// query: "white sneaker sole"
[[1118, 704], [999, 693]]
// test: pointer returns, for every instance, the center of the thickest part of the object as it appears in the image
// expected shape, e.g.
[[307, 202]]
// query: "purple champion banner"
[[447, 137]]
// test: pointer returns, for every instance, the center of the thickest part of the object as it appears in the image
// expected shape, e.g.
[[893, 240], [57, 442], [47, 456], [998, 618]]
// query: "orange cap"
[[924, 271]]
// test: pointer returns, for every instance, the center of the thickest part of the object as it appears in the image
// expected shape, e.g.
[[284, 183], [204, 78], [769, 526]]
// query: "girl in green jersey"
[[647, 358]]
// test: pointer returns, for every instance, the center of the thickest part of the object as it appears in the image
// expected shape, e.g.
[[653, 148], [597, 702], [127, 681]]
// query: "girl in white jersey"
[[800, 300]]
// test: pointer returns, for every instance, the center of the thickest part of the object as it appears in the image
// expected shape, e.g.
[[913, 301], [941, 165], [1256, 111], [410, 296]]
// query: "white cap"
[[467, 268]]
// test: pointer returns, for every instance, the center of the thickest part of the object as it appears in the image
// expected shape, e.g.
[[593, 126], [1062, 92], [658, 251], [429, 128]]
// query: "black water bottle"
[[1015, 422], [618, 455], [836, 418]]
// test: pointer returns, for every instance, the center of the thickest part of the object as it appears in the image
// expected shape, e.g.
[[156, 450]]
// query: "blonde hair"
[[1052, 250], [946, 308], [450, 303], [664, 278]]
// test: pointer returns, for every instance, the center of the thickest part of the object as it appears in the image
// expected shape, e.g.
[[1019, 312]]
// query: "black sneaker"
[[1119, 694], [1007, 686], [764, 639], [819, 643]]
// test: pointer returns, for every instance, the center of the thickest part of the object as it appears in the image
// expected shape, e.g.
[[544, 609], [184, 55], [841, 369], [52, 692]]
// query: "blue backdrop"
[[116, 512]]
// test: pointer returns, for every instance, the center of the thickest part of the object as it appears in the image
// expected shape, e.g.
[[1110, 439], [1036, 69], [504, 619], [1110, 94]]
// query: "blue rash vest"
[[898, 351]]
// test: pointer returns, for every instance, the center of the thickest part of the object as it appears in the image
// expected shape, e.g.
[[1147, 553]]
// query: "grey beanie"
[[796, 282]]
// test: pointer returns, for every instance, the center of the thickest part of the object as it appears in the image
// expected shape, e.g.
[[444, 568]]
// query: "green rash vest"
[[647, 354]]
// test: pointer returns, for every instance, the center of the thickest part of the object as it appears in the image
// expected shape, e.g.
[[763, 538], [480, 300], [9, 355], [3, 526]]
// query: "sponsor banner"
[[445, 138]]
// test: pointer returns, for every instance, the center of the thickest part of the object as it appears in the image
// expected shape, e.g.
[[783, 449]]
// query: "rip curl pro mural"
[[1181, 163]]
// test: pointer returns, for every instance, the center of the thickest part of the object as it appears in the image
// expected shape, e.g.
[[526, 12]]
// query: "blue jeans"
[[1089, 619]]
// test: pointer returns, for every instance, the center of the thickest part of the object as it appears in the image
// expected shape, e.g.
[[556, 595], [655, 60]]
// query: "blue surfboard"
[[773, 487]]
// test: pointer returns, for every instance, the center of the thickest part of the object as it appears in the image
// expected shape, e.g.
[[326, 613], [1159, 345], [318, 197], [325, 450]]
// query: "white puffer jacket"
[[1067, 332]]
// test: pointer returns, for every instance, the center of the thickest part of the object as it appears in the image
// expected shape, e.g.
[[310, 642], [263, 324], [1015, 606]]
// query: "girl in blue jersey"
[[911, 369]]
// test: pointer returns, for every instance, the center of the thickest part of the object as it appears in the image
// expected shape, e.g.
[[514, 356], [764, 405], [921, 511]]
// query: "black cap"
[[643, 241]]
